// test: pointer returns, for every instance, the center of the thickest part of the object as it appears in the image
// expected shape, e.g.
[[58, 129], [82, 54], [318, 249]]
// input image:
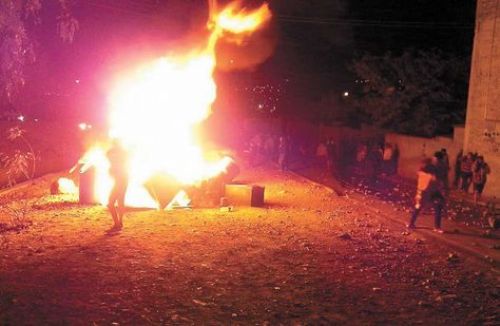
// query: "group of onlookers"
[[432, 181], [269, 147], [345, 156], [375, 159], [471, 168], [372, 159]]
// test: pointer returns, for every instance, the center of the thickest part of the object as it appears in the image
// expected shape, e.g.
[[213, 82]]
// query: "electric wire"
[[131, 8]]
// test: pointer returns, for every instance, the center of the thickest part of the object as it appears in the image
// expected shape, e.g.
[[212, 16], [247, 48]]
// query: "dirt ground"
[[309, 257]]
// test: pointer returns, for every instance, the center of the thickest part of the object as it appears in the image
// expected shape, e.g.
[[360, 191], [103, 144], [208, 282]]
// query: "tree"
[[18, 19], [18, 163], [419, 92], [312, 50]]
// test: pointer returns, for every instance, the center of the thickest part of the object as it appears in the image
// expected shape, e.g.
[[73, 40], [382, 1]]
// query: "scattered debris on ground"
[[309, 257]]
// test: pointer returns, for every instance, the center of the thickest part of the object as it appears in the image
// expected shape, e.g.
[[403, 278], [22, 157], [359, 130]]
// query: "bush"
[[18, 212], [18, 163]]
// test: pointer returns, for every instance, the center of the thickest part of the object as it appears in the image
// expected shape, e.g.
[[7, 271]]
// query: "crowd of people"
[[374, 159], [433, 186], [471, 169], [269, 147], [370, 159], [334, 157]]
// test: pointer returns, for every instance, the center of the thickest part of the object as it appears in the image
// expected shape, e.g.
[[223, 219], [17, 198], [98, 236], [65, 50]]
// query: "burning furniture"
[[165, 190], [154, 112]]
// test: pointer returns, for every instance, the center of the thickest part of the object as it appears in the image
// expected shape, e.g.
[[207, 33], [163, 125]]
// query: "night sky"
[[392, 25], [314, 41]]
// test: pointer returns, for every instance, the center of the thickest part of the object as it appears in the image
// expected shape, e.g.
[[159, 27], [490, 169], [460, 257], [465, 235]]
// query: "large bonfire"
[[154, 111]]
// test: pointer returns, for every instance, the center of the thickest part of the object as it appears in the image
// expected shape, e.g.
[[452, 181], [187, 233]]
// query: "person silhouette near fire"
[[118, 170]]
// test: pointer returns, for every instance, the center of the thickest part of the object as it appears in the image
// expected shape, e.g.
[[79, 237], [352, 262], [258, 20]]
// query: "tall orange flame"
[[154, 110]]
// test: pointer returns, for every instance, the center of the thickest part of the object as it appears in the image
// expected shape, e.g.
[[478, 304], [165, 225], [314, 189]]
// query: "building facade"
[[482, 127]]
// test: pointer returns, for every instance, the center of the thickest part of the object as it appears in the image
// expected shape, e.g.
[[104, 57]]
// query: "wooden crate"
[[244, 195]]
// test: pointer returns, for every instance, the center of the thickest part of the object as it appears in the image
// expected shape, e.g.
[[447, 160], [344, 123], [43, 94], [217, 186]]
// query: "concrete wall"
[[413, 149], [365, 134], [482, 129]]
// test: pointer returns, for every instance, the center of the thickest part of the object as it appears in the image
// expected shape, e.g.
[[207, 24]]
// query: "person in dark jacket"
[[429, 190], [466, 168], [440, 162], [458, 169], [480, 170], [445, 163]]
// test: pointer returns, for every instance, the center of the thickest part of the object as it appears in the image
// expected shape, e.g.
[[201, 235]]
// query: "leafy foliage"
[[18, 211], [15, 133], [18, 163], [420, 93], [17, 19]]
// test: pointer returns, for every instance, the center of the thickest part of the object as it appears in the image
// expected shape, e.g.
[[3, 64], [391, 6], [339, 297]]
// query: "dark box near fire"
[[208, 194]]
